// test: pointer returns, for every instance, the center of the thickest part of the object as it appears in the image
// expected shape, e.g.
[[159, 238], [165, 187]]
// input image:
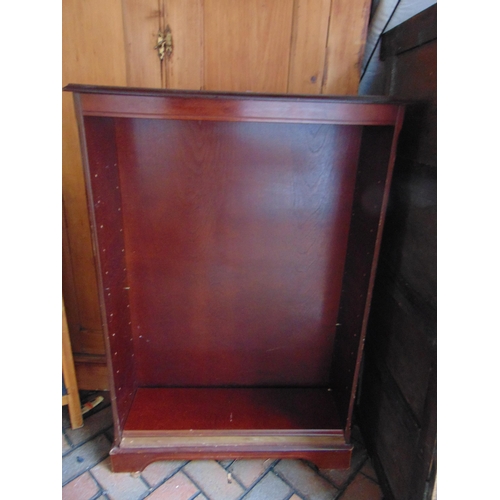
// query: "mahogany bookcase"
[[236, 238]]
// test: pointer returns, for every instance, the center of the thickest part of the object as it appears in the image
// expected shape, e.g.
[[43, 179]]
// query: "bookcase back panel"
[[235, 238]]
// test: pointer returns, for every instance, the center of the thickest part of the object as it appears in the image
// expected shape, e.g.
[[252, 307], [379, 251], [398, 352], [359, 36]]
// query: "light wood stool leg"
[[72, 399]]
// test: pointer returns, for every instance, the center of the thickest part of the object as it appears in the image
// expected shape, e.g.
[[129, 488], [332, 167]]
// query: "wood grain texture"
[[93, 42], [421, 30], [407, 334], [346, 43], [184, 68], [141, 23], [232, 423], [237, 412], [92, 373], [221, 245], [93, 53], [422, 64], [224, 215], [218, 45], [392, 432], [105, 210], [247, 45], [126, 460], [69, 289], [72, 398], [308, 46], [78, 234], [143, 103]]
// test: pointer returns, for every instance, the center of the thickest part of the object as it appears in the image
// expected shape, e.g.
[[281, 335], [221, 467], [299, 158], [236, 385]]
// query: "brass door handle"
[[164, 43]]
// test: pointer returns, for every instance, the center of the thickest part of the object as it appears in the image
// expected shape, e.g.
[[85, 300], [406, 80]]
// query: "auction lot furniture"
[[236, 239]]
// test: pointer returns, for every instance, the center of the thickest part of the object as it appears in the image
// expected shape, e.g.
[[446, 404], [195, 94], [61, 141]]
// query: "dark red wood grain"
[[280, 409], [226, 244], [237, 109], [190, 105], [235, 240], [105, 209], [127, 461]]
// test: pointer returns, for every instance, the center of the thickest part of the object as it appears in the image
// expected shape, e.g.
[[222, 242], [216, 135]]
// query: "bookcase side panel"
[[104, 201], [368, 211]]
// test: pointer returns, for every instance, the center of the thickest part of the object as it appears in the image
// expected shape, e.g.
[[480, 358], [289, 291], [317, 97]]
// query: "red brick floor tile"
[[305, 480], [212, 479], [157, 472], [247, 472], [84, 457], [82, 488], [178, 487], [271, 486], [92, 426], [362, 488], [118, 486]]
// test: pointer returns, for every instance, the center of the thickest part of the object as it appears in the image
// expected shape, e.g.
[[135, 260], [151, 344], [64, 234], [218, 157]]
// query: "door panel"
[[346, 44], [247, 45], [307, 59], [184, 68], [141, 23]]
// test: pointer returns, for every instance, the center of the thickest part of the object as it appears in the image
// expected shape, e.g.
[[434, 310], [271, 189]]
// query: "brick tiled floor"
[[86, 472]]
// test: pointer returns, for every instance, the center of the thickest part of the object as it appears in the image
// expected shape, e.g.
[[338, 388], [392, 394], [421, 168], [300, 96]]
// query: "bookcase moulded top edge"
[[200, 105]]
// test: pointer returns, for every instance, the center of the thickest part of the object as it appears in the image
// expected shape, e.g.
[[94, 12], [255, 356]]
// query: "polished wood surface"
[[234, 235], [127, 460], [105, 209], [220, 423], [239, 411], [222, 249], [233, 107]]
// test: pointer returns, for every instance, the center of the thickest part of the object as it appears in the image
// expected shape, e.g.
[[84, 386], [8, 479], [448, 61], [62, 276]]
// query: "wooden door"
[[269, 46], [398, 393]]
